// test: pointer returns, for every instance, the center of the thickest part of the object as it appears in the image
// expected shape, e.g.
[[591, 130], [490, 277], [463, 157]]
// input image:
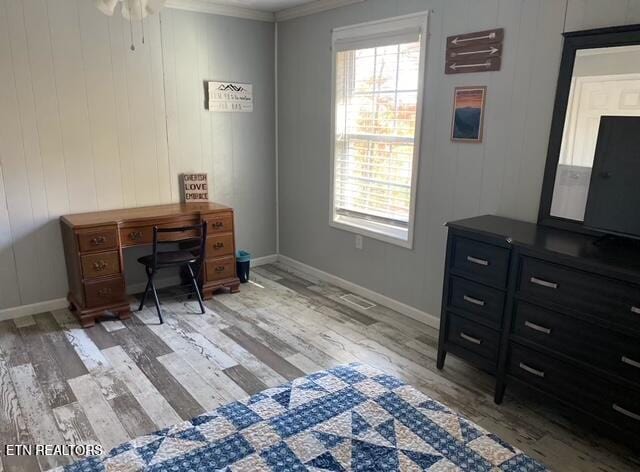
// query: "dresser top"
[[100, 218], [617, 256]]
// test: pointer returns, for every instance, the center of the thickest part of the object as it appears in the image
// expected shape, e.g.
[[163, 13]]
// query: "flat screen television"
[[613, 203]]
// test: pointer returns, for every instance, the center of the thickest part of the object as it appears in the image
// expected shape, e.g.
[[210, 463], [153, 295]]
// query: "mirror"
[[599, 76], [605, 82]]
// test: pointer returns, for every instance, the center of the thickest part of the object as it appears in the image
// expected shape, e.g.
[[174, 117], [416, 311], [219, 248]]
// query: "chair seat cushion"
[[169, 258]]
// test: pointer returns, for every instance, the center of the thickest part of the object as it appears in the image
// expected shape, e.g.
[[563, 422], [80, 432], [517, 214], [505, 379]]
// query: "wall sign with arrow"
[[474, 52]]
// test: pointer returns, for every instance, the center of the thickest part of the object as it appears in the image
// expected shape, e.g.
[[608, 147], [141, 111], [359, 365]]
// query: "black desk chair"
[[190, 259]]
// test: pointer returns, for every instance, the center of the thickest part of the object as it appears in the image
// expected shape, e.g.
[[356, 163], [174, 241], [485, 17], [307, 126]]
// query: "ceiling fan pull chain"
[[141, 20]]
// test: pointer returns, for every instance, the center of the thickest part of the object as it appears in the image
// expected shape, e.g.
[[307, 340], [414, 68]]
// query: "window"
[[378, 72]]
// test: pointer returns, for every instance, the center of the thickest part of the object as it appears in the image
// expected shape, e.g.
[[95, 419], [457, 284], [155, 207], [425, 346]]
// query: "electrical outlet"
[[358, 241]]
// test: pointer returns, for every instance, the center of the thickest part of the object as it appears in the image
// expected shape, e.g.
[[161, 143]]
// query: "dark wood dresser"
[[93, 245], [556, 311]]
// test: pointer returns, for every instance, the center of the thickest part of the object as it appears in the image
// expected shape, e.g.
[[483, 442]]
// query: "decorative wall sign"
[[230, 96], [474, 52], [195, 188], [468, 114]]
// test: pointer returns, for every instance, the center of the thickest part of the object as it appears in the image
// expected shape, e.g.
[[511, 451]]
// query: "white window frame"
[[389, 26]]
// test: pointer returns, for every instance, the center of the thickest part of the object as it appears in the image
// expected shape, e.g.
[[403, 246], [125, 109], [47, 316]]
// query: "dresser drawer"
[[479, 261], [220, 223], [606, 350], [472, 336], [100, 264], [608, 401], [104, 292], [140, 235], [219, 245], [97, 239], [221, 268], [607, 300], [484, 303]]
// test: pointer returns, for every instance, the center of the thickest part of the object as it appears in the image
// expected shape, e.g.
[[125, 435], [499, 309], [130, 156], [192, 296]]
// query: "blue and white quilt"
[[350, 418]]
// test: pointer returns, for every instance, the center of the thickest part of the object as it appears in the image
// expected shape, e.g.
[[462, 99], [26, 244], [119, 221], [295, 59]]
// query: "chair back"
[[187, 232]]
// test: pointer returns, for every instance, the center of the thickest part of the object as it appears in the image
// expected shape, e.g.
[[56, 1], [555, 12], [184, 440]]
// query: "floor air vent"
[[357, 301]]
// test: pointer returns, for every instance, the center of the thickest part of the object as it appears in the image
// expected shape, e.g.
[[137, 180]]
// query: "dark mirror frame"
[[589, 39]]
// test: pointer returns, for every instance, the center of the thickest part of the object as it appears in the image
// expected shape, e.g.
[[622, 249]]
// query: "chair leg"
[[155, 296], [146, 291], [196, 288]]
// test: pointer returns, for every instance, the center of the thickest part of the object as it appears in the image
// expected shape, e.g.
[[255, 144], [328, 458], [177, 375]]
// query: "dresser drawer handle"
[[219, 269], [135, 235], [105, 292], [625, 412], [531, 370], [98, 240], [218, 224], [635, 310], [630, 362], [475, 260], [100, 265], [537, 327], [473, 301], [218, 245], [471, 339], [543, 283]]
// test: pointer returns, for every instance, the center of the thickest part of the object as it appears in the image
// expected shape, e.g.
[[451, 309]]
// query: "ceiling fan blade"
[[106, 6]]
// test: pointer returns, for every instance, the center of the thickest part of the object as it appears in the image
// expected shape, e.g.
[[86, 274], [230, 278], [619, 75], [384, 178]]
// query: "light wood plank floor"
[[60, 384]]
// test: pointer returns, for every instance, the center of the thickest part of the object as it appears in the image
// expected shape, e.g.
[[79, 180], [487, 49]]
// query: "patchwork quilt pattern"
[[350, 418]]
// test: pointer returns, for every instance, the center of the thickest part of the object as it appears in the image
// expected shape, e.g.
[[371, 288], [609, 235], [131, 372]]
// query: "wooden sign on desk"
[[195, 188], [474, 52]]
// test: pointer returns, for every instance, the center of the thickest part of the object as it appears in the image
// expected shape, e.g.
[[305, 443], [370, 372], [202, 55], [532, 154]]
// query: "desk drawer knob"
[[100, 265], [635, 310], [475, 260], [105, 292], [219, 269], [631, 362], [537, 327], [531, 370], [473, 301], [471, 339], [218, 245], [543, 283], [135, 235], [98, 240], [218, 224], [625, 412]]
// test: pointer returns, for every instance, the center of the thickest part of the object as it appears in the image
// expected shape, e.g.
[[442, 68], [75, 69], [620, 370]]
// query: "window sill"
[[389, 234]]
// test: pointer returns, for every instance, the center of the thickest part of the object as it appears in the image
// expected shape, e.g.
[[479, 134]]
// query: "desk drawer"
[[220, 223], [608, 300], [97, 239], [100, 264], [609, 401], [484, 303], [140, 235], [480, 261], [104, 292], [219, 245], [583, 341], [472, 336], [221, 268]]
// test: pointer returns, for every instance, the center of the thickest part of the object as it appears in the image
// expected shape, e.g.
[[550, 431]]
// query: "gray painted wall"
[[503, 175], [85, 124]]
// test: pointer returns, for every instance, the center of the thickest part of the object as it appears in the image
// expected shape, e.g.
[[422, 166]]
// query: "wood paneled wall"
[[503, 175], [87, 124]]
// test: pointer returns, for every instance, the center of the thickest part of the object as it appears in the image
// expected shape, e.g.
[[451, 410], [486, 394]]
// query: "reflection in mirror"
[[605, 81]]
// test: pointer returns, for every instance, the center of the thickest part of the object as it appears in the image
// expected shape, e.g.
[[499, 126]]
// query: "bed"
[[350, 417]]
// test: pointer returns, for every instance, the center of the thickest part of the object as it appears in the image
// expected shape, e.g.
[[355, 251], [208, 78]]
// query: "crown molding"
[[312, 8], [215, 8]]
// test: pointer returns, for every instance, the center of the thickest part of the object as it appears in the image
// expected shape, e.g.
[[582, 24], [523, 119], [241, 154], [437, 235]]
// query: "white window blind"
[[376, 97]]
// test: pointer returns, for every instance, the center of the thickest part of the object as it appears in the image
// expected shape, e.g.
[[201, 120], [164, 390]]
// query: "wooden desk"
[[93, 244]]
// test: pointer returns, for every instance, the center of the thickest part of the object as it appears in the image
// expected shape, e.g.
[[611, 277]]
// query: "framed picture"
[[468, 114]]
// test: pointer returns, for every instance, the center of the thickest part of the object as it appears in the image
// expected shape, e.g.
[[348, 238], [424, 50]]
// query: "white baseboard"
[[400, 307], [258, 261], [33, 309]]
